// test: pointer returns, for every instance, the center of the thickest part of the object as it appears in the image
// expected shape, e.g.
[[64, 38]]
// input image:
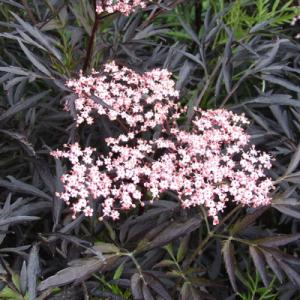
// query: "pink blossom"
[[123, 6], [141, 101], [196, 165], [209, 165]]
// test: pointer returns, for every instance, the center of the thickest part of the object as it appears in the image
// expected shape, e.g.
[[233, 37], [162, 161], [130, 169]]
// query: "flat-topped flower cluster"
[[123, 6], [211, 164], [141, 100]]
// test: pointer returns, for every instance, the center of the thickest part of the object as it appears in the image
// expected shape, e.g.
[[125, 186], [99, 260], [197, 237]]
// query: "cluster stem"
[[89, 52]]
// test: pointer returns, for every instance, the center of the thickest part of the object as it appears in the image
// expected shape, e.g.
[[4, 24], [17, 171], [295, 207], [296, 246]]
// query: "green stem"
[[227, 237], [211, 234], [205, 219], [139, 268]]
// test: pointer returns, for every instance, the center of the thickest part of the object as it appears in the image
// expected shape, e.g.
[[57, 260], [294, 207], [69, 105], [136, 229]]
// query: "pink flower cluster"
[[209, 165], [142, 101], [123, 6]]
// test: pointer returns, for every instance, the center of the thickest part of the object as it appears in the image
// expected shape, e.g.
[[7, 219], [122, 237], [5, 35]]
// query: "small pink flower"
[[209, 165], [123, 96], [123, 6]]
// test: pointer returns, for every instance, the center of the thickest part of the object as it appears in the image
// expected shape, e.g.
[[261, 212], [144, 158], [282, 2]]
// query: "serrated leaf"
[[15, 70], [32, 272], [259, 264], [228, 255], [118, 272], [294, 162], [272, 263], [165, 263], [26, 145], [169, 249], [270, 56], [57, 202], [22, 187], [147, 292], [226, 63], [34, 60], [17, 219], [192, 57], [247, 220], [23, 278], [22, 105], [173, 231], [157, 286], [183, 246], [291, 273], [79, 272], [149, 31], [275, 99], [29, 40], [111, 232], [136, 287], [293, 177], [279, 240], [282, 82], [35, 33], [281, 256], [282, 118], [185, 292], [189, 31], [106, 248], [288, 210]]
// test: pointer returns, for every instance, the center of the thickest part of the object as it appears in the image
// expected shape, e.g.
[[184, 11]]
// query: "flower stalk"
[[90, 47]]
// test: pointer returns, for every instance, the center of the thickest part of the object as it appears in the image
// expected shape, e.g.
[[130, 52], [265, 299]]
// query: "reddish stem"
[[91, 41]]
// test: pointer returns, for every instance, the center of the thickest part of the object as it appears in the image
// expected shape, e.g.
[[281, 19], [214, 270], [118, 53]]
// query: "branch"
[[211, 234], [29, 11], [91, 41], [198, 13]]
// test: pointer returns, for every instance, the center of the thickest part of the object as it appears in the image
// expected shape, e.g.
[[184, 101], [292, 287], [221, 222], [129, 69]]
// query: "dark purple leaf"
[[17, 219], [32, 272], [259, 264], [79, 272], [147, 292], [22, 140], [22, 105], [287, 210], [22, 187], [279, 240], [291, 273], [272, 263], [244, 222], [228, 255], [282, 82], [156, 286], [173, 231], [23, 278], [136, 287]]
